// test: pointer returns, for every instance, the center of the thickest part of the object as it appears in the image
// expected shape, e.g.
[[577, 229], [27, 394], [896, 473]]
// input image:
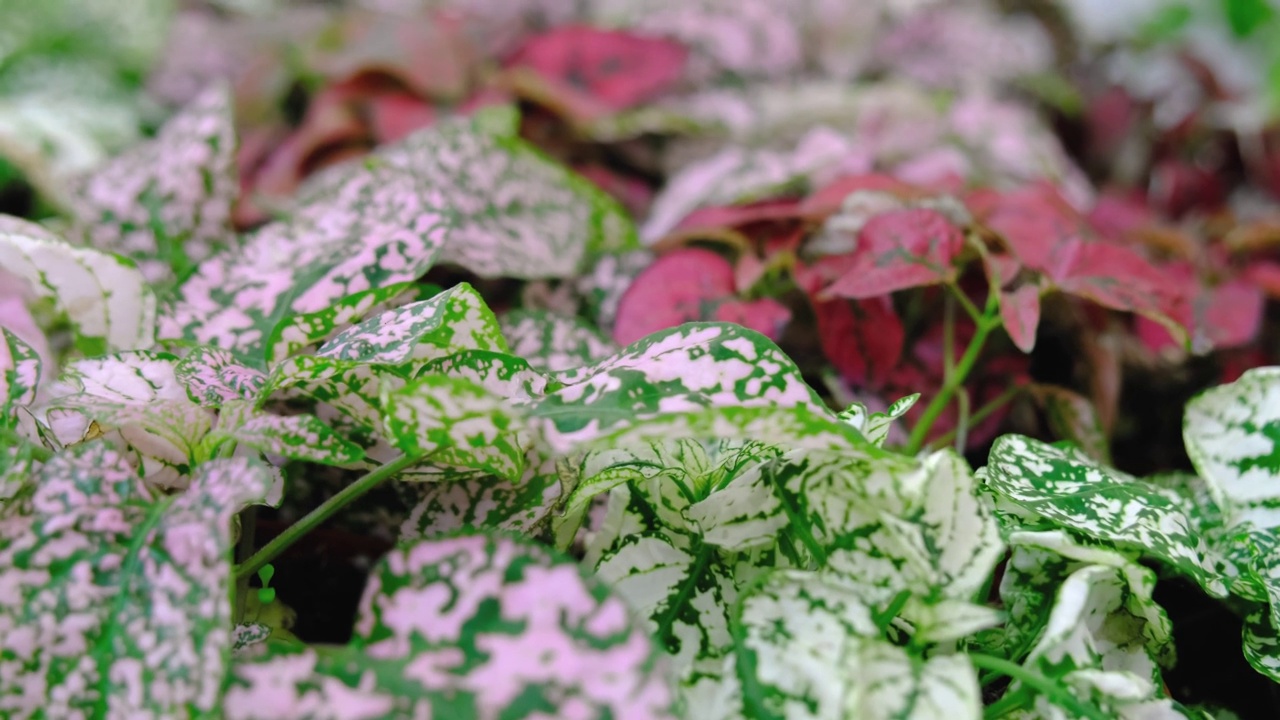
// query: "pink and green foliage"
[[103, 578], [485, 626], [166, 203]]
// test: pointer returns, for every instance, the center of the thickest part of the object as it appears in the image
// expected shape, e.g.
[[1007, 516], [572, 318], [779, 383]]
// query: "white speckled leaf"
[[507, 376], [1232, 433], [1071, 490], [458, 501], [297, 332], [878, 424], [808, 648], [553, 342], [1094, 646], [116, 601], [378, 227], [1262, 644], [19, 375], [455, 422], [214, 377], [245, 635], [105, 297], [472, 626], [166, 203]]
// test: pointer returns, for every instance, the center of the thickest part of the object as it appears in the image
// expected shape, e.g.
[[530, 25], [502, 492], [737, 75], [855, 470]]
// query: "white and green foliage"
[[115, 596], [467, 626], [103, 297]]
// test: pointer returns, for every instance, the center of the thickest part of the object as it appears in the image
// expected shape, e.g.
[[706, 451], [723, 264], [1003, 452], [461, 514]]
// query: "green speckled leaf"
[[1262, 645], [459, 501], [105, 297], [892, 684], [1232, 433], [19, 376], [876, 425], [297, 437], [553, 342], [297, 332], [117, 601], [455, 422], [214, 377], [1067, 488], [468, 626], [166, 203], [507, 376]]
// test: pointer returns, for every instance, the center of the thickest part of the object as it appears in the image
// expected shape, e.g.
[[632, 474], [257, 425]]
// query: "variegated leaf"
[[507, 376], [105, 297], [492, 627], [214, 377], [116, 601], [19, 376], [166, 203], [376, 228], [676, 372], [1069, 489], [298, 437], [455, 422], [1262, 644], [459, 501], [1097, 649], [808, 648], [297, 332], [1232, 433], [554, 343]]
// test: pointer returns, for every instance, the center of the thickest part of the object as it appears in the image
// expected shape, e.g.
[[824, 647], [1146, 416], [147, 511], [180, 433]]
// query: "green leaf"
[[1232, 433], [117, 600], [166, 203], [104, 296], [553, 343], [455, 422], [467, 626], [1070, 490], [19, 376]]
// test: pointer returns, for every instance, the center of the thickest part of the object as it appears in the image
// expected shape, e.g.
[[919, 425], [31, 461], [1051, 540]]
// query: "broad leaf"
[[553, 343], [214, 377], [166, 203], [19, 376], [117, 600], [297, 437], [455, 422], [897, 250], [487, 627], [1070, 490], [105, 297], [298, 332], [1232, 433]]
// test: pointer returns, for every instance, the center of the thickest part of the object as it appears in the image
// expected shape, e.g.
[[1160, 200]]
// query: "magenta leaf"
[[593, 72], [1119, 278], [863, 339], [898, 250], [672, 290], [1034, 221], [490, 623]]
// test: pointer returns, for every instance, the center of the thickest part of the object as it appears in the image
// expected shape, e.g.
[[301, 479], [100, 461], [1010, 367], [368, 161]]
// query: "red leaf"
[[595, 72], [1035, 221], [766, 315], [395, 115], [1233, 315], [676, 288], [898, 250], [863, 339], [1177, 187], [1019, 300], [1121, 279], [1265, 275], [1116, 214], [719, 217], [827, 200], [635, 194]]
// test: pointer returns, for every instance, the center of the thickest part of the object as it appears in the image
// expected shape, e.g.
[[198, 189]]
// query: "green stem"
[[978, 415], [986, 323], [1055, 692], [316, 517], [1008, 703], [884, 618]]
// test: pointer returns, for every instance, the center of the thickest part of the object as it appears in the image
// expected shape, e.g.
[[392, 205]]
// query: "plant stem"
[[986, 323], [979, 415], [1056, 693], [316, 517], [1009, 702]]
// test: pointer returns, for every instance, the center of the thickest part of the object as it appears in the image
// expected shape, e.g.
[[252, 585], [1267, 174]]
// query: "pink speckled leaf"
[[554, 342], [19, 375], [116, 600], [897, 250], [166, 203], [297, 437], [298, 332], [214, 377], [499, 626], [105, 298]]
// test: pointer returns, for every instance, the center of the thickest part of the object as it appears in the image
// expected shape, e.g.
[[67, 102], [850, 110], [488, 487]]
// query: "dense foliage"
[[647, 360]]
